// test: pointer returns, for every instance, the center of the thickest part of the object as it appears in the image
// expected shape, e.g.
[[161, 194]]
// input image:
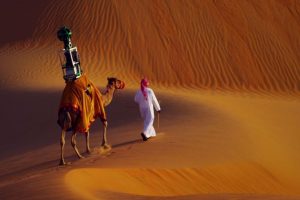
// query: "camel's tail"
[[65, 120]]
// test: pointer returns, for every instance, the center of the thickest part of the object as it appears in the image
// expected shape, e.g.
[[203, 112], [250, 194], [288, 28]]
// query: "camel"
[[68, 119]]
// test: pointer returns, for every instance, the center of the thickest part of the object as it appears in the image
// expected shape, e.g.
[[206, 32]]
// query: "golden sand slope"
[[252, 45], [232, 179], [220, 145]]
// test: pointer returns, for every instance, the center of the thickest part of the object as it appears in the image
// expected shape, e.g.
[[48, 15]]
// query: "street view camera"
[[68, 56]]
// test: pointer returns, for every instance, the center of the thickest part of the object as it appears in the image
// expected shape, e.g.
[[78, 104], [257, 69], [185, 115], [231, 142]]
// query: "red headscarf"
[[144, 84]]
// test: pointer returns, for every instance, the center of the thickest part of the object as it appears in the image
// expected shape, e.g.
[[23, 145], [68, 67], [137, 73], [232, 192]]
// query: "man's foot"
[[144, 137]]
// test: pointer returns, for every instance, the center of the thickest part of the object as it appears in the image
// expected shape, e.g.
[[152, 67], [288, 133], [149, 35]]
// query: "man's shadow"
[[136, 141]]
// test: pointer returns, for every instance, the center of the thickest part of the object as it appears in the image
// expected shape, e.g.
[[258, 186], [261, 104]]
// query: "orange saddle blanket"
[[83, 97]]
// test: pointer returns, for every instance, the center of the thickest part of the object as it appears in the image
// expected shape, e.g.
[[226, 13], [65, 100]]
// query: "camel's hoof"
[[106, 147], [63, 163], [80, 157], [89, 151]]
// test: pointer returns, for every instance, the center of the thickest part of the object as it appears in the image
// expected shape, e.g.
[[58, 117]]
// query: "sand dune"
[[219, 147], [229, 45], [227, 76], [175, 182]]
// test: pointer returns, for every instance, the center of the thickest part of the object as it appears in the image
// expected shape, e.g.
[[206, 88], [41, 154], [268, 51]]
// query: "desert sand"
[[226, 74]]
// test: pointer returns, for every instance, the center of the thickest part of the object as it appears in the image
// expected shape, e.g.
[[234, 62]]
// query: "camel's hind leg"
[[64, 119], [73, 142], [87, 140], [62, 145]]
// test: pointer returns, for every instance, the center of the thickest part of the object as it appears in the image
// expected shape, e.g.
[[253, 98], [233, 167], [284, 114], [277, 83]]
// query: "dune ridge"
[[226, 179]]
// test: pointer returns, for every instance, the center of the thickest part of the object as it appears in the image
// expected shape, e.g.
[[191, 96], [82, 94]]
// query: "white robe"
[[147, 111]]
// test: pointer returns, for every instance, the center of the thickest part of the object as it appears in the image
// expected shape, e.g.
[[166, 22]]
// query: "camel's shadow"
[[30, 135]]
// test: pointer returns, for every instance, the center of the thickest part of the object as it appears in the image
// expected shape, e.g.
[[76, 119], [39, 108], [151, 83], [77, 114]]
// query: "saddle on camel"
[[81, 102]]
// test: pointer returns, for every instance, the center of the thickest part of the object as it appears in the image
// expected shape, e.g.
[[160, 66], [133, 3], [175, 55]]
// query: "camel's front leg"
[[62, 145], [73, 141], [87, 140], [104, 139]]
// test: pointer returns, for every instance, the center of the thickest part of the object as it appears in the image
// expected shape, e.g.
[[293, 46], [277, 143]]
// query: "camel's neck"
[[108, 95]]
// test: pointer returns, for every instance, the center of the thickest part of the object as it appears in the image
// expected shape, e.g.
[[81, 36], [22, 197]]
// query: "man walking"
[[146, 99]]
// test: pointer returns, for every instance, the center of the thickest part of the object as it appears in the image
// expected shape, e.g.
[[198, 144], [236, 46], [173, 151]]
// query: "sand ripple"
[[224, 45], [247, 178]]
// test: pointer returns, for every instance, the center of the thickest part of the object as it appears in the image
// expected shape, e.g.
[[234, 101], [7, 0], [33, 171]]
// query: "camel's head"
[[116, 83]]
